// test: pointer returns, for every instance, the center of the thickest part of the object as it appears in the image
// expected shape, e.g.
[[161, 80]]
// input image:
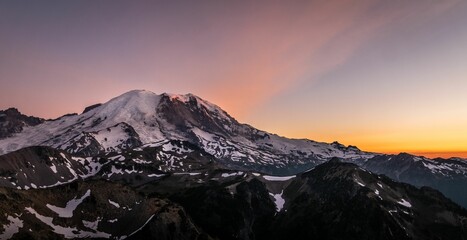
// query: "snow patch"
[[114, 203], [224, 175], [278, 200], [405, 203], [114, 170], [278, 178], [435, 168], [11, 228], [67, 211], [92, 225], [392, 211], [359, 183], [156, 175]]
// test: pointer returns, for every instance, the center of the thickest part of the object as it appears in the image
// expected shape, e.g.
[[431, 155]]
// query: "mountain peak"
[[180, 97], [138, 98], [130, 104], [12, 110], [335, 160]]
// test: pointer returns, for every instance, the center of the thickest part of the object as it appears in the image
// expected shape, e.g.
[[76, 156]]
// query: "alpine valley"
[[149, 166]]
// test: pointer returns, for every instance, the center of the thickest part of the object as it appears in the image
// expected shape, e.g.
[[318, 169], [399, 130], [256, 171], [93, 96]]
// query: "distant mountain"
[[203, 175], [447, 175], [342, 201]]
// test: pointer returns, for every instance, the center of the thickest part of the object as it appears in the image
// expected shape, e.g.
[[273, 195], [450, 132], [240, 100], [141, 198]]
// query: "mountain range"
[[171, 166]]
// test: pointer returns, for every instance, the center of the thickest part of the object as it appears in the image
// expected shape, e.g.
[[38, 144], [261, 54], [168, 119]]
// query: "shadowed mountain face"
[[93, 209], [193, 172]]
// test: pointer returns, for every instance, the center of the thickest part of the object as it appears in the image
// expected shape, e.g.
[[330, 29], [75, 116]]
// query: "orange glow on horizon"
[[460, 154], [431, 144]]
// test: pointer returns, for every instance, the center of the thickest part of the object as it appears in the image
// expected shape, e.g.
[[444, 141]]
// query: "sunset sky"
[[386, 76]]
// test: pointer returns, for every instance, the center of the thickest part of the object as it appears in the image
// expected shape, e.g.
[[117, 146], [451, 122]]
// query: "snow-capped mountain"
[[141, 118]]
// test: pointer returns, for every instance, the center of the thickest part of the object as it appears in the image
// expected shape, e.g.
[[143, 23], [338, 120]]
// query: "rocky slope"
[[93, 209], [341, 201], [333, 201]]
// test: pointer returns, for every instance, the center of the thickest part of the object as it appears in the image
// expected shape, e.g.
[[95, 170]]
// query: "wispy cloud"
[[280, 47]]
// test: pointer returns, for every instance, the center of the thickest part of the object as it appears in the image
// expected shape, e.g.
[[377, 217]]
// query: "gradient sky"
[[387, 76]]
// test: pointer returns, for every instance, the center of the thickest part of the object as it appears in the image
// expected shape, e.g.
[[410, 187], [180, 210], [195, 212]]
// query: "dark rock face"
[[171, 222], [197, 113], [246, 214], [12, 121], [89, 108], [185, 115]]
